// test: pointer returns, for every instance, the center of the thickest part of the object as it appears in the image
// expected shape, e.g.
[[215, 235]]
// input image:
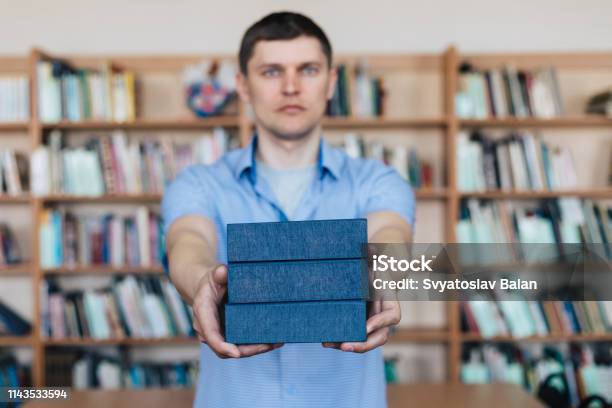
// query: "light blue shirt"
[[288, 186], [295, 375]]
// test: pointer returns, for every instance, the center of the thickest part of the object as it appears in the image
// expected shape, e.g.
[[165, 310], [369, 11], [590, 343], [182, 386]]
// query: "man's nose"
[[291, 83]]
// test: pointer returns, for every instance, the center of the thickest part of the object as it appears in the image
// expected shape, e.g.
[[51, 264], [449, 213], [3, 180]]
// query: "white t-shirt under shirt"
[[288, 185]]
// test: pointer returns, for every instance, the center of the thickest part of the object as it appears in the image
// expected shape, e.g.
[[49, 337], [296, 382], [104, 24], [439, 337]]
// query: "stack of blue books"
[[296, 282]]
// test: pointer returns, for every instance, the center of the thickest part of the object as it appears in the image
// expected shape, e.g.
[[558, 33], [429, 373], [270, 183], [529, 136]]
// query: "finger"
[[219, 275], [383, 319], [209, 322], [375, 339], [335, 345], [198, 330], [248, 350]]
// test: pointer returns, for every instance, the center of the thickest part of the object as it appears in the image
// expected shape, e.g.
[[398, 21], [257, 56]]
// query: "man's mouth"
[[291, 109]]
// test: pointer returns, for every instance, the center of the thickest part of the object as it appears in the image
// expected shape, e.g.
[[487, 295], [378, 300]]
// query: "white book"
[[80, 375], [499, 93], [109, 375], [39, 171], [119, 146], [351, 145], [142, 226], [174, 301], [117, 245], [155, 316], [519, 175]]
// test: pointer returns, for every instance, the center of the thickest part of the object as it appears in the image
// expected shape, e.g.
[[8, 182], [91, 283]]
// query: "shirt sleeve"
[[188, 194], [388, 191]]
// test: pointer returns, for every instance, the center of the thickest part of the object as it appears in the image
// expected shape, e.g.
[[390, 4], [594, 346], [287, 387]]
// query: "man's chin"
[[293, 133]]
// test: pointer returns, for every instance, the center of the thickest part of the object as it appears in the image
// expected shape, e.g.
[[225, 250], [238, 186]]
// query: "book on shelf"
[[76, 94], [11, 323], [14, 173], [575, 371], [600, 104], [508, 92], [561, 221], [69, 240], [10, 252], [131, 307], [87, 369], [13, 373], [531, 318], [405, 160], [519, 161], [358, 93], [14, 98], [116, 164]]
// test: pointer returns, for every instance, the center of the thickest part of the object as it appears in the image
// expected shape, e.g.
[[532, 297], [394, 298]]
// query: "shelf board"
[[16, 340], [382, 122], [13, 126], [10, 199], [418, 335], [567, 122], [126, 341], [529, 194], [104, 270], [434, 193], [431, 193], [106, 198], [467, 337], [148, 124], [16, 269]]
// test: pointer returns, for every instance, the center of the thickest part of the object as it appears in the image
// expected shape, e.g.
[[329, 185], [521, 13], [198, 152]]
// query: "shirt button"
[[291, 389]]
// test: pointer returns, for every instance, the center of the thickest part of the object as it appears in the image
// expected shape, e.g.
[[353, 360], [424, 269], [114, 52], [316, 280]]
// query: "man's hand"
[[206, 304], [383, 315]]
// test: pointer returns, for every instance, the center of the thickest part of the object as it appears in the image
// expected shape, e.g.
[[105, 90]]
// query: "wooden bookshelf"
[[531, 194], [126, 341], [13, 127], [16, 341], [419, 335], [104, 270], [562, 122], [10, 199], [551, 338], [16, 269], [105, 198], [149, 124], [439, 71]]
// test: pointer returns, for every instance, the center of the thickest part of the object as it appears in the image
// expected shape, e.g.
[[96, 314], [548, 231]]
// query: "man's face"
[[288, 84]]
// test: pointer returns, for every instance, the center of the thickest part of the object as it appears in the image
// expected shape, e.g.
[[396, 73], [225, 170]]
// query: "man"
[[288, 172]]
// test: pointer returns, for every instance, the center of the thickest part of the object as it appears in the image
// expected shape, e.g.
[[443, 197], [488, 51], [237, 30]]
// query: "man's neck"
[[282, 154]]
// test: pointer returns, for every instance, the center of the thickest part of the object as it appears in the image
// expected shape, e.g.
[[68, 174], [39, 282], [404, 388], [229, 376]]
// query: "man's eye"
[[310, 70], [271, 72]]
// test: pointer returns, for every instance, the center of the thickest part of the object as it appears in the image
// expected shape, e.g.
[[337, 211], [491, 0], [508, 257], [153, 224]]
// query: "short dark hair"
[[283, 25]]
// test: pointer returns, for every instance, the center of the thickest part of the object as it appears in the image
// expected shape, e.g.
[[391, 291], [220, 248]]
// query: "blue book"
[[296, 240], [296, 322], [291, 281]]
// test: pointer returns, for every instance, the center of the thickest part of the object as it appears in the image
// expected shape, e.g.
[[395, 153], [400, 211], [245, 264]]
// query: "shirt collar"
[[330, 160]]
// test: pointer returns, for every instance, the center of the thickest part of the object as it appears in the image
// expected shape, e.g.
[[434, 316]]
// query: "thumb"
[[219, 275]]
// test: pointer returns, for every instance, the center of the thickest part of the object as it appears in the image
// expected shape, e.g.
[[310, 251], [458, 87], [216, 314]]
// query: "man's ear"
[[331, 86], [242, 87]]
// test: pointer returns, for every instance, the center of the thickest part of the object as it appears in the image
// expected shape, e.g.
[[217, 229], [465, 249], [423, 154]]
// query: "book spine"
[[300, 240], [292, 322], [297, 281]]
